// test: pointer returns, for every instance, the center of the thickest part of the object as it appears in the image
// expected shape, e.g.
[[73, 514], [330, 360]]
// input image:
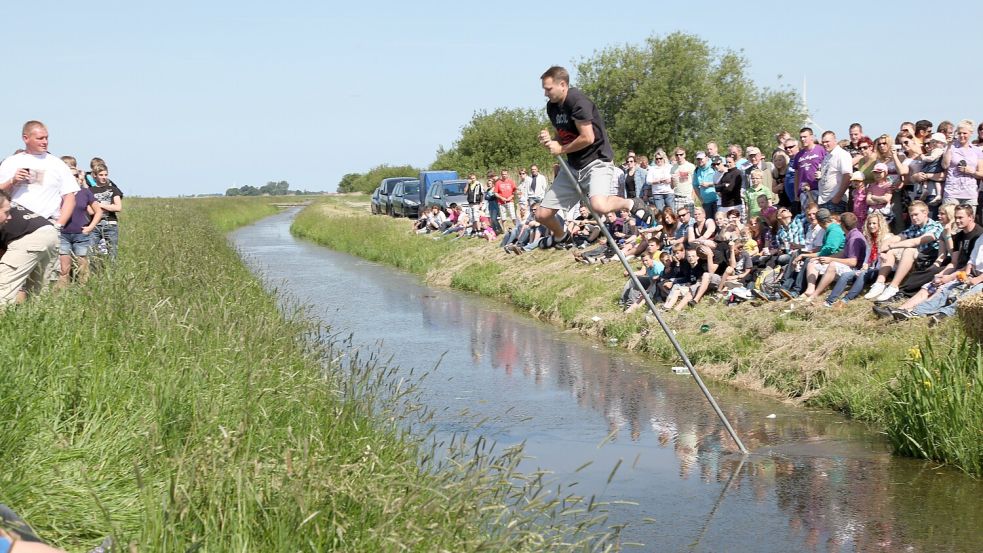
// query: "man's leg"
[[812, 273], [913, 301], [827, 279], [905, 263]]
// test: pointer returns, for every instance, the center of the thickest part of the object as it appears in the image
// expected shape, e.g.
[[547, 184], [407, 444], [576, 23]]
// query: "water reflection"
[[813, 481]]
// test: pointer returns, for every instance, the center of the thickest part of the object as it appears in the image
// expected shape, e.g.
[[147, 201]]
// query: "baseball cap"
[[700, 155], [937, 137], [823, 215], [880, 167], [858, 175], [751, 151], [716, 159]]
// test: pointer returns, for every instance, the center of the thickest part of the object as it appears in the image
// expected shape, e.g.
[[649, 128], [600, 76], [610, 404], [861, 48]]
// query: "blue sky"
[[186, 98]]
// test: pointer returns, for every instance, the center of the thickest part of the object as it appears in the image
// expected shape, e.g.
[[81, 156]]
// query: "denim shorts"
[[75, 243]]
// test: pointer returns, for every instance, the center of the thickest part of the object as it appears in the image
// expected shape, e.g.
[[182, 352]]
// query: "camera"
[[962, 163]]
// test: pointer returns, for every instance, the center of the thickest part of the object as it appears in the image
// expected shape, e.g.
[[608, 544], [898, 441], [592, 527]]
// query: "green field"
[[170, 404]]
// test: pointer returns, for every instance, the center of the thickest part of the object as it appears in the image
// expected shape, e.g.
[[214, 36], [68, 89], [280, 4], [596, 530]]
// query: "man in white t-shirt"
[[681, 175], [38, 180], [834, 175]]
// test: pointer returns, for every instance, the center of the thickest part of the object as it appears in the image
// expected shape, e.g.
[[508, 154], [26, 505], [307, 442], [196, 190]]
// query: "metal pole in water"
[[648, 301]]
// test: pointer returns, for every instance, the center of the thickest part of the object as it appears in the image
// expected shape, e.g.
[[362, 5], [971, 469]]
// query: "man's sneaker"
[[565, 242], [902, 314], [888, 293], [786, 294], [517, 250], [875, 290], [759, 294], [882, 312]]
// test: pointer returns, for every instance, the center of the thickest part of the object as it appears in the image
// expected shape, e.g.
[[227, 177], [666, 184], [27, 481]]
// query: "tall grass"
[[936, 408], [170, 404]]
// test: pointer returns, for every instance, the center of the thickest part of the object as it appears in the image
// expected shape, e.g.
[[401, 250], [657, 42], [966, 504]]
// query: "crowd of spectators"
[[52, 215], [893, 219]]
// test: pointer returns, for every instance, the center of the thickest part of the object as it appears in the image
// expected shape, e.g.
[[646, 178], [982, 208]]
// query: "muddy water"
[[814, 481]]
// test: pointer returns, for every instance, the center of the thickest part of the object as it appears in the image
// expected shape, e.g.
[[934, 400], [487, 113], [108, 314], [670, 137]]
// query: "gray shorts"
[[564, 194]]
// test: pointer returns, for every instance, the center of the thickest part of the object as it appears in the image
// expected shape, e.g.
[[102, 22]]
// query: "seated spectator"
[[649, 273], [849, 259], [940, 299], [702, 231], [963, 243], [819, 244], [917, 249], [877, 236]]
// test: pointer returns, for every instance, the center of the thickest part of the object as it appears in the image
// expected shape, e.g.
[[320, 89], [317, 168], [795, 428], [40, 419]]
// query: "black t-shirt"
[[576, 107], [964, 242], [104, 195], [729, 188], [22, 222], [721, 256]]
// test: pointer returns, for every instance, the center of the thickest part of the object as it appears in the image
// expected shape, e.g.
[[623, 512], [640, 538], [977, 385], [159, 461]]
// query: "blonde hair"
[[883, 230]]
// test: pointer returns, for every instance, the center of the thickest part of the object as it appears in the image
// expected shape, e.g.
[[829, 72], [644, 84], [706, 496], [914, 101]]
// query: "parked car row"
[[401, 196]]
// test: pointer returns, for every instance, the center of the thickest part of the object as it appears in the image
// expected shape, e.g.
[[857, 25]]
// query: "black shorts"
[[925, 259]]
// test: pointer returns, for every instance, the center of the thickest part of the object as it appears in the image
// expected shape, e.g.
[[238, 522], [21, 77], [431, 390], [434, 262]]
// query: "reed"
[[171, 404]]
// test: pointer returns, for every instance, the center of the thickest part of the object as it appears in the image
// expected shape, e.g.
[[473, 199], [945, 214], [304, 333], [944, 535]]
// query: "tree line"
[[669, 91], [271, 188]]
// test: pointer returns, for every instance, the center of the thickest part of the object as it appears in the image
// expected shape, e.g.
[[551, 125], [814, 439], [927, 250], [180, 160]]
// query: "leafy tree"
[[678, 91], [504, 138], [347, 182], [368, 182], [232, 192]]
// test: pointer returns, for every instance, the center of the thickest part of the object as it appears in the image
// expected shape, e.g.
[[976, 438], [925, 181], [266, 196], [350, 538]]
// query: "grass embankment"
[[842, 359], [170, 404]]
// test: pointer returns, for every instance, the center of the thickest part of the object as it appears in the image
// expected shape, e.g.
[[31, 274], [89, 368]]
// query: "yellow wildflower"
[[915, 353], [928, 383]]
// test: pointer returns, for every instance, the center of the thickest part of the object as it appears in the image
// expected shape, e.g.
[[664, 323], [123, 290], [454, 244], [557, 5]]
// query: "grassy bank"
[[842, 359], [169, 403]]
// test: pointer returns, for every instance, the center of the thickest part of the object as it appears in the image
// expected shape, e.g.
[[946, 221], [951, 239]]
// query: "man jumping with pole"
[[580, 134]]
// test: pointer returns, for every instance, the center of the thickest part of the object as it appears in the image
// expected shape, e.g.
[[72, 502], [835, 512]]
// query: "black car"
[[446, 192], [374, 206], [405, 199], [385, 190]]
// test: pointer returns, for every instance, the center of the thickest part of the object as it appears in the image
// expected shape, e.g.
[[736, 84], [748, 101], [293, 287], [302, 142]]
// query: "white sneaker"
[[875, 290], [889, 293]]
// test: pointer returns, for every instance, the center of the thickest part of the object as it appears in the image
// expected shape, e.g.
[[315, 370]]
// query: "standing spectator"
[[756, 160], [505, 194], [681, 175], [537, 186], [633, 179], [37, 180], [856, 133], [110, 200], [475, 194], [491, 201], [779, 169], [713, 150], [729, 187], [833, 178], [704, 182], [806, 164], [947, 129], [758, 188], [858, 196], [963, 164], [29, 244], [791, 148], [738, 152], [923, 129], [76, 236], [781, 138], [659, 193], [522, 189]]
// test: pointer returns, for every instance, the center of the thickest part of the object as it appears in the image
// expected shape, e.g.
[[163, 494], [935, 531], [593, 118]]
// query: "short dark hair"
[[557, 73], [923, 125], [453, 205], [856, 126], [806, 129], [849, 221], [968, 209]]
